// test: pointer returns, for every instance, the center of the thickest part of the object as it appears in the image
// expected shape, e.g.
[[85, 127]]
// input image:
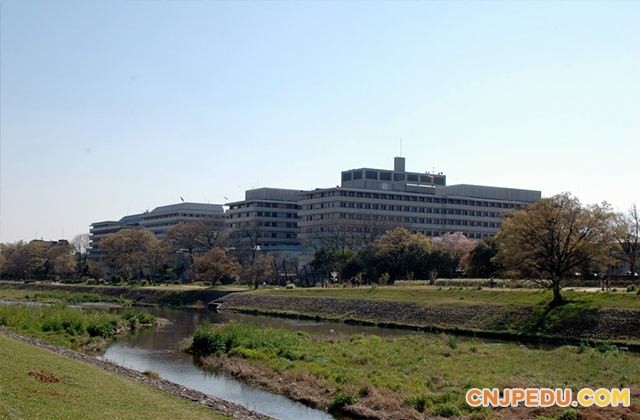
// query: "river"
[[158, 350]]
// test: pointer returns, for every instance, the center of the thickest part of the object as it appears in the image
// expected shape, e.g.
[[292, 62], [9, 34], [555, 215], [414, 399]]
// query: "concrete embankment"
[[515, 322], [138, 295]]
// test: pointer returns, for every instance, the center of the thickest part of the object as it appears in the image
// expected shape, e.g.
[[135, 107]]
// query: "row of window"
[[415, 198], [265, 204], [393, 176], [157, 225], [276, 224], [407, 209], [432, 233], [404, 219], [262, 214], [174, 215]]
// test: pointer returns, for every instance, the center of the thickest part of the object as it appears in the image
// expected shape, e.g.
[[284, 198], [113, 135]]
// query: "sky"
[[116, 107]]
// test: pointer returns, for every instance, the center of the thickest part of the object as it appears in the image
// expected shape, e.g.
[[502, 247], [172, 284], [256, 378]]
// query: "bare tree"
[[213, 232], [627, 232], [81, 243], [245, 240], [341, 234], [553, 237]]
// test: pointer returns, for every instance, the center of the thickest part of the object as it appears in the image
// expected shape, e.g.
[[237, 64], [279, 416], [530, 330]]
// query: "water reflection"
[[159, 350]]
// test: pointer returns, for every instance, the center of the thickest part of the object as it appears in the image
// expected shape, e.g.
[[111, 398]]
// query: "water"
[[158, 350]]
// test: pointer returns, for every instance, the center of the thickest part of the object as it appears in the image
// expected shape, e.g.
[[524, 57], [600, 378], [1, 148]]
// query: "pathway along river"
[[158, 350]]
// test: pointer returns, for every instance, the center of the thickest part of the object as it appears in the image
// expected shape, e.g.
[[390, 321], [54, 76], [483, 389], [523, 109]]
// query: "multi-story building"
[[158, 221], [421, 202], [272, 215]]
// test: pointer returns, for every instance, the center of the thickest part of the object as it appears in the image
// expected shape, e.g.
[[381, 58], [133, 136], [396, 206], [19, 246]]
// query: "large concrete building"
[[158, 221], [272, 213], [421, 202]]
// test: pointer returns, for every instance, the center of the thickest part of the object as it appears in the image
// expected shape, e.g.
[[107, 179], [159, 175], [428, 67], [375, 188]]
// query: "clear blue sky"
[[109, 107]]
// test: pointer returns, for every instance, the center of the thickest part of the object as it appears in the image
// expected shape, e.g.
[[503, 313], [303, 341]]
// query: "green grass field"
[[430, 295], [84, 392], [426, 373]]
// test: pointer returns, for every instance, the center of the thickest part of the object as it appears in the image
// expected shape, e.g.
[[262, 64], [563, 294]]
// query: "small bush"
[[584, 347], [446, 410], [341, 400], [290, 286], [363, 392], [606, 348], [631, 288], [569, 414], [453, 343], [419, 403]]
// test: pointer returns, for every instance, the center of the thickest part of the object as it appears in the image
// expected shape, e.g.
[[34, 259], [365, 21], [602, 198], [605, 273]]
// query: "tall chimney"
[[398, 164]]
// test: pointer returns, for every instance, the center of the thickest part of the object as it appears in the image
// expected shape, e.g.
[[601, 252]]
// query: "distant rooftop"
[[188, 206]]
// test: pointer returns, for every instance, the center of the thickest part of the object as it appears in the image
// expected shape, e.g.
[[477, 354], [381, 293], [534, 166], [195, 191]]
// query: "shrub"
[[569, 414], [419, 403], [291, 286], [446, 410], [453, 343], [207, 341], [104, 329], [138, 318], [212, 339], [341, 400], [606, 348], [384, 278], [631, 288]]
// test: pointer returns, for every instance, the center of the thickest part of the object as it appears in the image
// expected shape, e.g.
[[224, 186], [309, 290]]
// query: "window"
[[412, 177], [385, 176], [346, 176], [371, 174], [398, 177], [357, 175]]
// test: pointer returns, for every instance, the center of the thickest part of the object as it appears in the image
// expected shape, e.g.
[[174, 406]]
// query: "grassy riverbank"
[[522, 314], [39, 384], [10, 293], [430, 295], [69, 327], [403, 377], [169, 295]]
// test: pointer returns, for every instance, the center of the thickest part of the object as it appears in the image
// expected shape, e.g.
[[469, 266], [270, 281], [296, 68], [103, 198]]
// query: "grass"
[[430, 295], [81, 391], [59, 297], [425, 373], [69, 327]]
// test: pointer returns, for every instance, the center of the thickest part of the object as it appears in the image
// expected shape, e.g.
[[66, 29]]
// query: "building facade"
[[421, 202], [271, 214], [158, 221]]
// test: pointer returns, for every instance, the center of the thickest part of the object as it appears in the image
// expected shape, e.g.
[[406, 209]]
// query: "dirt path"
[[222, 406]]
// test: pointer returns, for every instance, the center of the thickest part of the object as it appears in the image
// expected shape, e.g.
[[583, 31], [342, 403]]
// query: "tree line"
[[548, 241]]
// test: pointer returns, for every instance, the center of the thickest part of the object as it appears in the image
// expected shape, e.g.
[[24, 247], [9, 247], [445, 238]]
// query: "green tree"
[[553, 236], [399, 252], [481, 262]]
